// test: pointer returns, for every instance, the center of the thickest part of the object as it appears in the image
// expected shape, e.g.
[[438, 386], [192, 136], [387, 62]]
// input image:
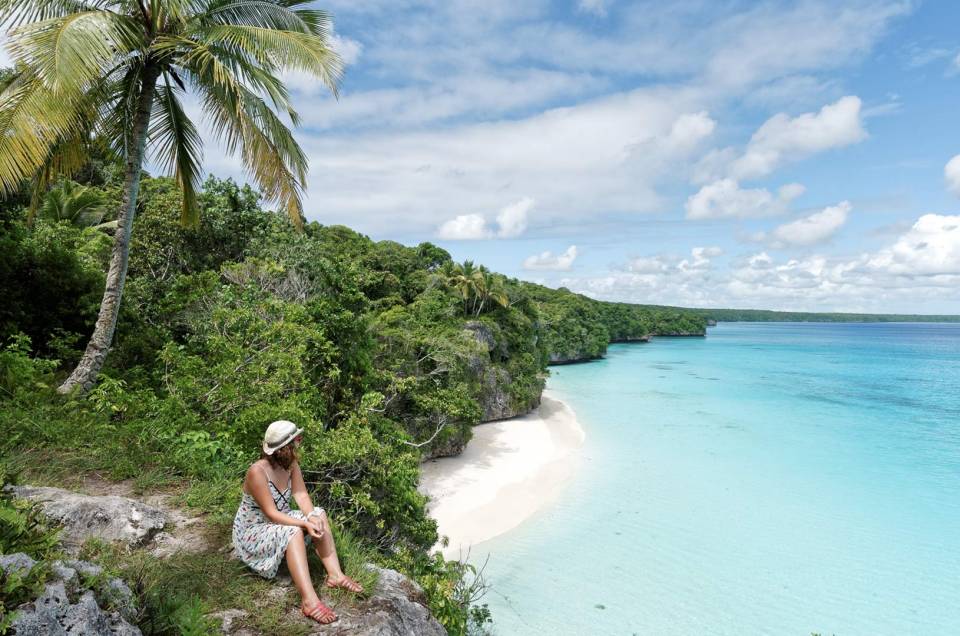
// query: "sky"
[[714, 153]]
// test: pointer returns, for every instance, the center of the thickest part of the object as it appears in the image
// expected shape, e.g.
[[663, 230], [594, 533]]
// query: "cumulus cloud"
[[726, 199], [951, 173], [920, 269], [511, 223], [348, 48], [547, 261], [466, 227], [782, 138], [513, 218], [812, 229], [930, 248]]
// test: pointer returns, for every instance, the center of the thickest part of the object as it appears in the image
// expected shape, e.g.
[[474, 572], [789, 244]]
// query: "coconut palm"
[[69, 201], [120, 68], [489, 289]]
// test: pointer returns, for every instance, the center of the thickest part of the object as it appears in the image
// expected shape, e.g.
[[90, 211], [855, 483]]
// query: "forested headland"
[[764, 315]]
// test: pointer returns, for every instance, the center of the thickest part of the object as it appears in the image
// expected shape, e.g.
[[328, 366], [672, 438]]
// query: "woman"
[[266, 529]]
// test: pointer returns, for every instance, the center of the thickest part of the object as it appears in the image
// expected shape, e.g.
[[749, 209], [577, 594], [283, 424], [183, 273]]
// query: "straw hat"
[[278, 435]]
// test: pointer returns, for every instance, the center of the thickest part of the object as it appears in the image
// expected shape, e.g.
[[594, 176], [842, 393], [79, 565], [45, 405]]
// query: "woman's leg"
[[327, 551], [300, 570]]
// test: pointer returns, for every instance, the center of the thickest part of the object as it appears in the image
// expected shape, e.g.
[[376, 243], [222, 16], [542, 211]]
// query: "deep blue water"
[[769, 479]]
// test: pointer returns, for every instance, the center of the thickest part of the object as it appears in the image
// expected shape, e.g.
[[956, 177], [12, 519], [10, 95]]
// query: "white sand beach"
[[508, 471]]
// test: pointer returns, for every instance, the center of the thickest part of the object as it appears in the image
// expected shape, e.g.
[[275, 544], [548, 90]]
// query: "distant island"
[[765, 315]]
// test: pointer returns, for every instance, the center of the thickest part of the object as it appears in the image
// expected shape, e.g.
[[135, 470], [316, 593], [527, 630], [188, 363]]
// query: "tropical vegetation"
[[118, 70]]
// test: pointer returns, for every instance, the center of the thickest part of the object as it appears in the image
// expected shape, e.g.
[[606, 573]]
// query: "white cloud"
[[812, 229], [348, 48], [700, 258], [726, 199], [547, 261], [930, 248], [782, 138], [920, 271], [577, 162], [511, 223], [513, 218], [466, 227], [648, 265], [951, 173]]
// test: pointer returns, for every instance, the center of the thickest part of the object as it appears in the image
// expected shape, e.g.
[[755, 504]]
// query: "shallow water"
[[768, 479]]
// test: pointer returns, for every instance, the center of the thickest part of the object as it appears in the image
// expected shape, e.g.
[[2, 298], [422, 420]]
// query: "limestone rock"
[[572, 357], [19, 562], [65, 608], [397, 607], [108, 518]]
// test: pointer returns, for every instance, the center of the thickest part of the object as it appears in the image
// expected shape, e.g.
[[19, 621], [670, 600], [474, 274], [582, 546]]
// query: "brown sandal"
[[346, 583], [321, 613]]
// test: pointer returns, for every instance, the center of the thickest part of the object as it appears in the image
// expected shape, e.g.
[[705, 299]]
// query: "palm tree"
[[119, 68], [490, 288], [461, 278], [69, 201]]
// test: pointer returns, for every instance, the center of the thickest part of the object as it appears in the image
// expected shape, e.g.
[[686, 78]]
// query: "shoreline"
[[508, 471]]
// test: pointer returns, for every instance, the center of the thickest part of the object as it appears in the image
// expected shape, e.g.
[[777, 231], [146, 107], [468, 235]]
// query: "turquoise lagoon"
[[768, 479]]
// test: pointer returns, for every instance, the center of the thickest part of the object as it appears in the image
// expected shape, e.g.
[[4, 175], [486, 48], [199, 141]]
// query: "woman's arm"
[[256, 484], [300, 493]]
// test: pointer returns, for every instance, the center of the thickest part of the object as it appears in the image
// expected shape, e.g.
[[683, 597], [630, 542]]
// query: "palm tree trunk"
[[85, 374]]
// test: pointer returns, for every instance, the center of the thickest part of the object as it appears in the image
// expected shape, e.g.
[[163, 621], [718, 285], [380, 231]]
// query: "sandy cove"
[[508, 471]]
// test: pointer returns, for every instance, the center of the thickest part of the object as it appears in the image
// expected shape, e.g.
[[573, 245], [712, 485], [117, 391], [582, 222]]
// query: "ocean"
[[771, 478]]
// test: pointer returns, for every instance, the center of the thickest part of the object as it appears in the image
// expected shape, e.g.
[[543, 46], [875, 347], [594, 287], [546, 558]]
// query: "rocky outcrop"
[[76, 599], [397, 607], [624, 339], [109, 518], [495, 399], [572, 358]]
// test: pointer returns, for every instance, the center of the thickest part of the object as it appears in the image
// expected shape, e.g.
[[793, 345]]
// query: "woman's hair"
[[283, 457]]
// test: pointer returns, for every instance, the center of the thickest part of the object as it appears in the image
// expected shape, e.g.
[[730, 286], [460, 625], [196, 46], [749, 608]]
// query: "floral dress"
[[262, 544]]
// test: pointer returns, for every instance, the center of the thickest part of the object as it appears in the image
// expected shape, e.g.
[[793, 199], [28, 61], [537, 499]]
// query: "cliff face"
[[572, 357], [490, 367], [493, 387]]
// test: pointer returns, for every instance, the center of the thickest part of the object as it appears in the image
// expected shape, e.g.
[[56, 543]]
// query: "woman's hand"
[[314, 529]]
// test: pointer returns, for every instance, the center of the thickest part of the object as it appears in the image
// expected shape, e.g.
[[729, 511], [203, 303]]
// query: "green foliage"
[[23, 527], [18, 587], [51, 282], [78, 205]]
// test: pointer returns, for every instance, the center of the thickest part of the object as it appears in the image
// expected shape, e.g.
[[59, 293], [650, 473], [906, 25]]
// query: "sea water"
[[767, 479]]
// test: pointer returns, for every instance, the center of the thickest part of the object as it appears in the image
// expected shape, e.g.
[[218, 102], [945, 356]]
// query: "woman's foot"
[[344, 582], [320, 613]]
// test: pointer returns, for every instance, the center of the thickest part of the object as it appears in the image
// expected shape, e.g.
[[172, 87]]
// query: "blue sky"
[[781, 155]]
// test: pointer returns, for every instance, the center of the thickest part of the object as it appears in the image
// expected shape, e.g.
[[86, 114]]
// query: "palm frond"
[[69, 53], [261, 13], [178, 146], [33, 119], [278, 50], [68, 201], [13, 13], [243, 122]]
